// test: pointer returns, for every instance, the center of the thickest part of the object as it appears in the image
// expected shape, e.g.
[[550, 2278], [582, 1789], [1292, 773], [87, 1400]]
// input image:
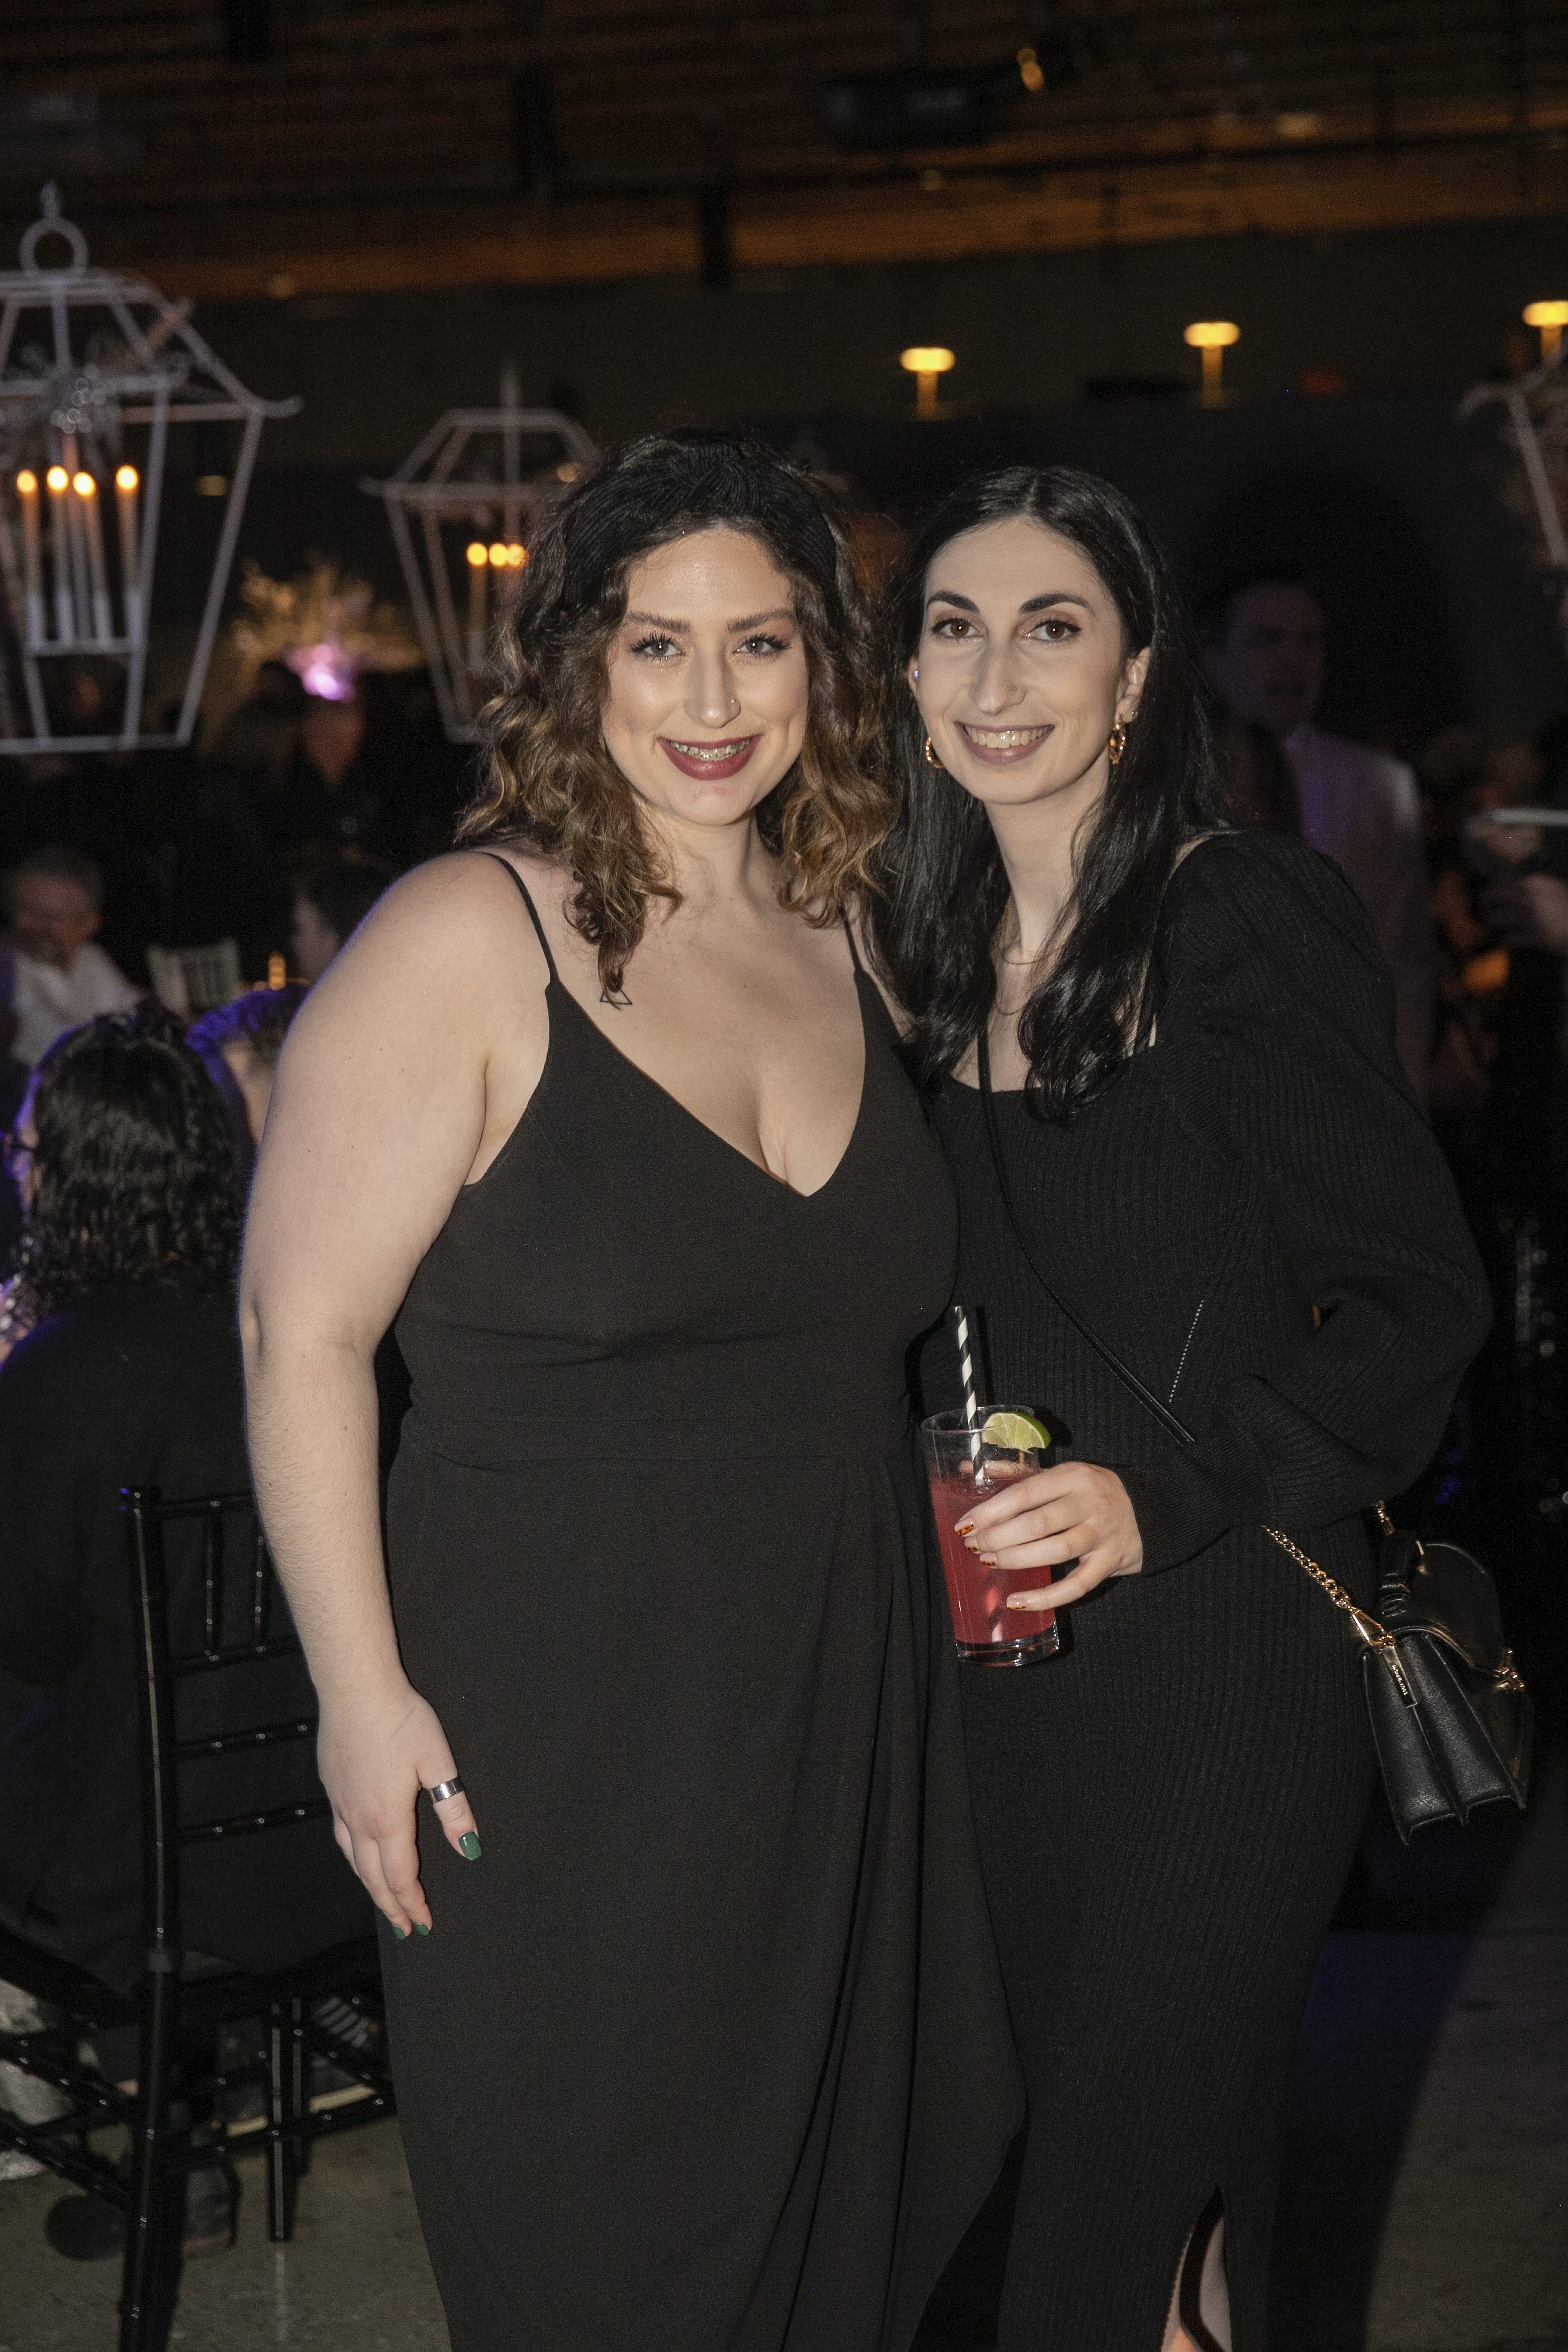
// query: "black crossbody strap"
[[1108, 1356]]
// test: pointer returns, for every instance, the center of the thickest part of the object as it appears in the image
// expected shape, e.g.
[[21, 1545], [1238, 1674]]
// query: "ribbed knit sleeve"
[[1276, 1044]]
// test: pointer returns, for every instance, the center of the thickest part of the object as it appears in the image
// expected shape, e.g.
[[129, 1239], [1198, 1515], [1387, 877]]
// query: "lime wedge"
[[1020, 1432]]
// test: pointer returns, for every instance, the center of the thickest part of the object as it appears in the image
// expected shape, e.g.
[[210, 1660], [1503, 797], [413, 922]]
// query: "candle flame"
[[498, 553], [126, 478], [84, 486], [27, 482], [57, 478], [478, 553]]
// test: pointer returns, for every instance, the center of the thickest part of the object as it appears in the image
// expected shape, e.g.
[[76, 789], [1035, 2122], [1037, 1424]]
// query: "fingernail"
[[469, 1847], [400, 1933], [988, 1559], [971, 1544], [966, 1527], [420, 1929]]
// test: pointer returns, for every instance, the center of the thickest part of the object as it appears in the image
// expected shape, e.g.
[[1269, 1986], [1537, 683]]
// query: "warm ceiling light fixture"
[[1550, 318], [1213, 338], [928, 364]]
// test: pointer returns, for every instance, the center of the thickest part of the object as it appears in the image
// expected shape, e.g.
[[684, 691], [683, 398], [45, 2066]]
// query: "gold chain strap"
[[1336, 1592], [1375, 1636]]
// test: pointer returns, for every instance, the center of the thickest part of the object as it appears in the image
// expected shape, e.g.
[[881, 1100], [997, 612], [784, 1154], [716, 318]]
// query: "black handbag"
[[1452, 1720]]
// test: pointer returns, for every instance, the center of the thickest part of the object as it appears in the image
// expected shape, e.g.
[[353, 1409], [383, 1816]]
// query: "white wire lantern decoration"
[[462, 507], [96, 370], [1535, 432]]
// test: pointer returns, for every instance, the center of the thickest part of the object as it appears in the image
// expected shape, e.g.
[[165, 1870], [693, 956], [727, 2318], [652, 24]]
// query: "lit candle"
[[125, 488], [76, 540], [32, 555], [57, 483], [479, 567], [86, 490]]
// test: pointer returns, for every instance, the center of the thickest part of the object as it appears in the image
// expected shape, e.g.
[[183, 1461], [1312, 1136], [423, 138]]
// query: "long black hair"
[[132, 1174], [944, 890]]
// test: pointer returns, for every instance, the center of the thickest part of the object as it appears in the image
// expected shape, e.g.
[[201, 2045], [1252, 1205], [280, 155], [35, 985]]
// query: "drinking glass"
[[963, 1469]]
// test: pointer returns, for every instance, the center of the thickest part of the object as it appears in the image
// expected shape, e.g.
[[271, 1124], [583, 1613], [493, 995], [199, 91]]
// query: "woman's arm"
[[405, 1072]]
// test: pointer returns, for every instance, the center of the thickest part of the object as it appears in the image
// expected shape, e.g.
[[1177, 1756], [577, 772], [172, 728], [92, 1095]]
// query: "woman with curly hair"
[[703, 2054], [127, 1373]]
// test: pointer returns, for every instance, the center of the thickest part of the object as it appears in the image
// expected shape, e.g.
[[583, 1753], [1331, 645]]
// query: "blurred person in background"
[[60, 975], [327, 797], [1264, 644], [334, 893], [239, 1044], [260, 737], [1260, 785], [127, 1374], [1462, 773]]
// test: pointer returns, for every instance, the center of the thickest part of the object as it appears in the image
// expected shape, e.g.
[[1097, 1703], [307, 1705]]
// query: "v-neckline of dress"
[[779, 1183]]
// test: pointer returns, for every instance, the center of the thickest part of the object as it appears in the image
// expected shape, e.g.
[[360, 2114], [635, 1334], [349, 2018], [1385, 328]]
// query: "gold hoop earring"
[[1116, 745], [931, 759]]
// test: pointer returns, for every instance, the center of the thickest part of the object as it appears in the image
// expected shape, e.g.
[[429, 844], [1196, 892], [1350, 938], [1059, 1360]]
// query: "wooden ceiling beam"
[[866, 226]]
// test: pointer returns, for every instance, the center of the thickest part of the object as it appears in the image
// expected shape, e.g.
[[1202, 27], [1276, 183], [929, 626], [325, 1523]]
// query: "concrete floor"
[[1424, 2205]]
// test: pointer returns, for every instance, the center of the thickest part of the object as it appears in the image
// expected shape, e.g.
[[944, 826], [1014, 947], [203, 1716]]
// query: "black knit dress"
[[1167, 1810]]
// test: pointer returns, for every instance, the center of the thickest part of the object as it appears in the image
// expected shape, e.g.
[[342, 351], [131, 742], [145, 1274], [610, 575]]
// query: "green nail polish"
[[420, 1929], [468, 1846], [400, 1933]]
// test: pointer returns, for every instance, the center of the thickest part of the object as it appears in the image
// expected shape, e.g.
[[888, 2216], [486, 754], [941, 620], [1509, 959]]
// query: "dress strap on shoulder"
[[528, 902], [854, 951]]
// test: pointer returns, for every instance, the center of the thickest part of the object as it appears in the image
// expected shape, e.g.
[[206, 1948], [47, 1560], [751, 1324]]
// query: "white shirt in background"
[[46, 1001], [1362, 808]]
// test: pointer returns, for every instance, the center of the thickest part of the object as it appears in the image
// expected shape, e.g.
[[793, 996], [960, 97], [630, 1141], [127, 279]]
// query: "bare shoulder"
[[450, 933]]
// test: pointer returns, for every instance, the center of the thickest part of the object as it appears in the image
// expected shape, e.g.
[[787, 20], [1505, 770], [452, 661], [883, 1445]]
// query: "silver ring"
[[443, 1789]]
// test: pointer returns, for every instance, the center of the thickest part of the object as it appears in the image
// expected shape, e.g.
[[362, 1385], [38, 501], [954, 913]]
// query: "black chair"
[[192, 1729]]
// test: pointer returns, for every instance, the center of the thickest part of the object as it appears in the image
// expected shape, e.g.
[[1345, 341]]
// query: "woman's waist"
[[499, 1434]]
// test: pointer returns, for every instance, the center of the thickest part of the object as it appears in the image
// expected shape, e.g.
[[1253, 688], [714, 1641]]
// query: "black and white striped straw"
[[959, 1318]]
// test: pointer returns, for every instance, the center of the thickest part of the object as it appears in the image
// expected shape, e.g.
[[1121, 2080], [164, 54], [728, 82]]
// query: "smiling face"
[[1023, 670], [708, 688]]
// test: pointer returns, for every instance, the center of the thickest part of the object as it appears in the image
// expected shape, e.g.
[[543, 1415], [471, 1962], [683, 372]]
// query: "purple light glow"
[[324, 670]]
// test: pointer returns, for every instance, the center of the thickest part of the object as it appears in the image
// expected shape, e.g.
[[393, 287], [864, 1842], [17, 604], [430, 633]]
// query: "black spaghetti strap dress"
[[1167, 1810], [708, 2051]]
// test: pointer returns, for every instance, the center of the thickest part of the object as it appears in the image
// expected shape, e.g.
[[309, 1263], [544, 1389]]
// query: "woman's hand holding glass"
[[1073, 1512]]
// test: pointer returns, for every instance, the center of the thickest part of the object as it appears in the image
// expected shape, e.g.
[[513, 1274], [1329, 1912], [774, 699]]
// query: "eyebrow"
[[1030, 604], [676, 628]]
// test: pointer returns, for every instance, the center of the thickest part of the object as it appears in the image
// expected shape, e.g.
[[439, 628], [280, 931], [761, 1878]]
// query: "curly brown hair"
[[548, 780]]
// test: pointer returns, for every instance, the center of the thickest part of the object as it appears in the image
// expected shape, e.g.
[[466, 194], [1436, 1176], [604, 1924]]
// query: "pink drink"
[[962, 1473]]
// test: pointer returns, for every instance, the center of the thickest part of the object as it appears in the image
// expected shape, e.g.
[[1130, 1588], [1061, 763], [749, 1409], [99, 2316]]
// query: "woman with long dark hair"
[[126, 1373], [1204, 1147], [698, 2037]]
